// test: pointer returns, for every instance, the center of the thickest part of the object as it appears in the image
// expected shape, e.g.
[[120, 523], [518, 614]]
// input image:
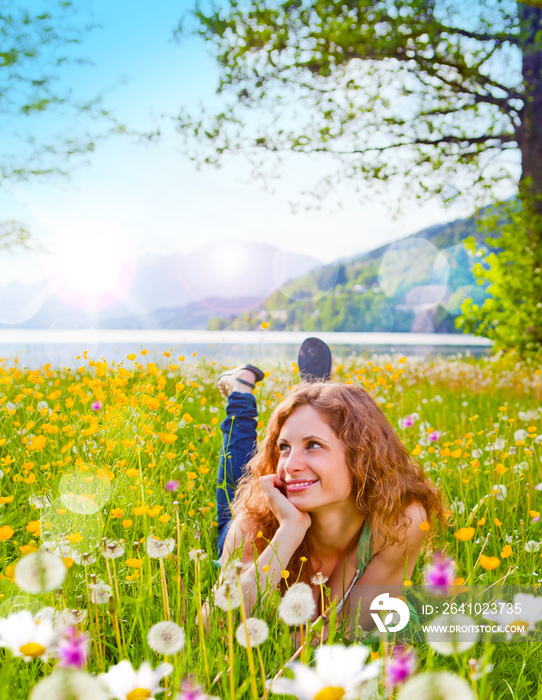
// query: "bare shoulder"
[[392, 561], [239, 540]]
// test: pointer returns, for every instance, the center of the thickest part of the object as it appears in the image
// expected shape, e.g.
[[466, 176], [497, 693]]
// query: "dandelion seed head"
[[319, 579], [441, 684], [297, 605], [112, 549], [159, 549], [40, 572], [257, 632], [197, 555], [166, 638], [227, 597], [100, 592]]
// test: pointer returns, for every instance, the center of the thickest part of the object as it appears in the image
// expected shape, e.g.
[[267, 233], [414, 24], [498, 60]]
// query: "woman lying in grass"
[[331, 490]]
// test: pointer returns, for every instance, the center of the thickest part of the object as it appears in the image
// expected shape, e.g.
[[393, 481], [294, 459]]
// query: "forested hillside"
[[413, 285]]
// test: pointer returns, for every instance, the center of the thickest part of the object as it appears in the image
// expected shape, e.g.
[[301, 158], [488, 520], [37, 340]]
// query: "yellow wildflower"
[[489, 563], [464, 533], [6, 532]]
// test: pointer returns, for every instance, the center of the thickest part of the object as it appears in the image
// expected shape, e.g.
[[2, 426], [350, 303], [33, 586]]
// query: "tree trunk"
[[530, 130]]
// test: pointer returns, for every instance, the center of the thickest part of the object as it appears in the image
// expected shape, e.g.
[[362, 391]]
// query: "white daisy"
[[166, 637], [456, 633], [123, 682], [257, 632], [40, 572], [436, 684], [519, 617], [340, 673], [28, 636], [297, 605], [68, 684], [158, 549]]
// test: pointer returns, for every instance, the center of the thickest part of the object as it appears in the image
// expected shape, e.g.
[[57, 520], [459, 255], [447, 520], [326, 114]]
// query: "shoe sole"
[[314, 360]]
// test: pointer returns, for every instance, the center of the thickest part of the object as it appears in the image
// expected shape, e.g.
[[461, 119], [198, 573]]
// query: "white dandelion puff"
[[158, 549], [227, 597], [257, 632], [100, 592], [112, 549], [197, 555], [297, 605], [40, 572], [441, 684], [166, 638], [452, 642]]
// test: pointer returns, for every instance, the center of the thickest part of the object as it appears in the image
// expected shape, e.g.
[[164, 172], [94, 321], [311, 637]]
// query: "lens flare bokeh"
[[91, 267]]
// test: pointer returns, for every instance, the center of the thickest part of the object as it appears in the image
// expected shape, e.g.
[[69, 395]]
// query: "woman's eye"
[[282, 447], [314, 444]]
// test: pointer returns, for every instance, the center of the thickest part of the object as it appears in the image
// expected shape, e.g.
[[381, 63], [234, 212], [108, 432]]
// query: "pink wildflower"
[[400, 667], [440, 574], [73, 650]]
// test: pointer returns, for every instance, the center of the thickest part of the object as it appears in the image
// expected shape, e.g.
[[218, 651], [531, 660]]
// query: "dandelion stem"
[[251, 667], [262, 670], [231, 672], [118, 602], [164, 590], [200, 623], [179, 579], [93, 631]]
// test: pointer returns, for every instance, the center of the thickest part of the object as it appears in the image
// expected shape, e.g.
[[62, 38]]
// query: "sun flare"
[[91, 267]]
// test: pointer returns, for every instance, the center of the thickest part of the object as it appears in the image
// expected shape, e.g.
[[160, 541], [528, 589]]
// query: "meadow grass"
[[130, 451]]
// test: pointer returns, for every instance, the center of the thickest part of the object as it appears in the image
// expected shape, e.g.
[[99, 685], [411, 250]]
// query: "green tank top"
[[365, 550]]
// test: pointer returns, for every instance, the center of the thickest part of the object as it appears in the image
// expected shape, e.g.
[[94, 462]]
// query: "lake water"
[[60, 347]]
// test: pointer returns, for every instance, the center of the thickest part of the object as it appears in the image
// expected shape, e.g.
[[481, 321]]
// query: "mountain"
[[166, 291], [416, 284]]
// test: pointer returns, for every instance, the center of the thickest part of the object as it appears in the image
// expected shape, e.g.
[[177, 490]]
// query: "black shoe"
[[314, 360], [226, 381]]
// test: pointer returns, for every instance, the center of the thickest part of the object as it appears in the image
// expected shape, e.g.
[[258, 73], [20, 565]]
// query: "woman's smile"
[[297, 486]]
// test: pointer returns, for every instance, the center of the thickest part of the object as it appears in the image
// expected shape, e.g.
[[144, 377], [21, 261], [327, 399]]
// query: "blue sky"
[[151, 197]]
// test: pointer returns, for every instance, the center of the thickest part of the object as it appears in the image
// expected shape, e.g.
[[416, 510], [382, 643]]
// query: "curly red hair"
[[385, 480]]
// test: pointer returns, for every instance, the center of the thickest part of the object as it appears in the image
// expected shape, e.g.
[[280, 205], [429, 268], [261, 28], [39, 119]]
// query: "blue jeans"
[[238, 446]]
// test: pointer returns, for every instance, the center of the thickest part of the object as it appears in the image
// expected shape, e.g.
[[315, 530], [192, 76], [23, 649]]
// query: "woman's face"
[[312, 462]]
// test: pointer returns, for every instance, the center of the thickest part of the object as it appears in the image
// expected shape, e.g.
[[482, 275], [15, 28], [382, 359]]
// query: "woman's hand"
[[285, 511]]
